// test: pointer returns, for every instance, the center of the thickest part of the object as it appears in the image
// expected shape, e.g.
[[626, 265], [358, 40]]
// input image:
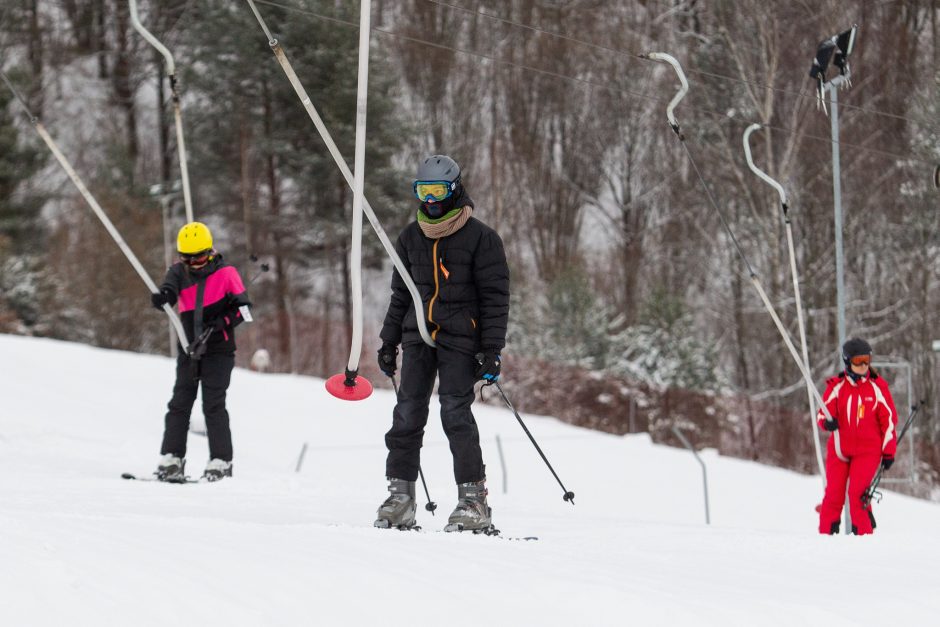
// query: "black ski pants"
[[214, 371], [419, 367]]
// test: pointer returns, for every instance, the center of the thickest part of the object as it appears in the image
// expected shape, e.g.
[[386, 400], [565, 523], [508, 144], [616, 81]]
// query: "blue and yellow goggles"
[[434, 191]]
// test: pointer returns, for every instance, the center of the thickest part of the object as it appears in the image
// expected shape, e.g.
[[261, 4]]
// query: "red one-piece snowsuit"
[[867, 429]]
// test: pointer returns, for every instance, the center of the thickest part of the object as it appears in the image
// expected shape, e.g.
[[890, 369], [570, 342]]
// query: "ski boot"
[[472, 513], [171, 469], [217, 469], [398, 510]]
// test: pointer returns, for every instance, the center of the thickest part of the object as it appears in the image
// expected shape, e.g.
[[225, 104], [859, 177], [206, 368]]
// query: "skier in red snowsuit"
[[863, 426]]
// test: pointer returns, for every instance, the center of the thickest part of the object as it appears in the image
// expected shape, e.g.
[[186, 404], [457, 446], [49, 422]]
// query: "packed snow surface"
[[272, 546]]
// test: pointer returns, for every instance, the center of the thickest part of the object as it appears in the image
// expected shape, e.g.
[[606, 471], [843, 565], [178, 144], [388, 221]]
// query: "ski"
[[132, 477], [491, 531], [457, 528]]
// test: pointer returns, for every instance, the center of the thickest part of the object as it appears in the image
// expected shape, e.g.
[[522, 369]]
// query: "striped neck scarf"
[[448, 224]]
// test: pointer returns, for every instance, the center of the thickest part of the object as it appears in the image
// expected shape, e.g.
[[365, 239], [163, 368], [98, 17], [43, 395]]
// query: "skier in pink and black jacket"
[[211, 299]]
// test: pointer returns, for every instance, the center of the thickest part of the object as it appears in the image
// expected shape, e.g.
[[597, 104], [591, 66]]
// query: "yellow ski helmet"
[[194, 238]]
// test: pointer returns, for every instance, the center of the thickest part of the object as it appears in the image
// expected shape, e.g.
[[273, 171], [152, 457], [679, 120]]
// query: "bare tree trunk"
[[123, 81], [245, 183], [934, 9], [282, 284], [35, 55], [100, 44], [495, 162], [164, 122], [742, 365]]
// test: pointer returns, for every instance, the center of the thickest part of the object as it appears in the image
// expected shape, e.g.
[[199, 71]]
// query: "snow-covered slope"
[[80, 546]]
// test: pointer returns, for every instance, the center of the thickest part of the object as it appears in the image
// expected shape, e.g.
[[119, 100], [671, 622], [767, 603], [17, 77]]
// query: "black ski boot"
[[472, 513], [171, 469], [398, 510]]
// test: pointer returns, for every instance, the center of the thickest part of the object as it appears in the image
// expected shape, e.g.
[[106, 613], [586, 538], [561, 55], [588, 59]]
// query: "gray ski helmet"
[[854, 348], [438, 168]]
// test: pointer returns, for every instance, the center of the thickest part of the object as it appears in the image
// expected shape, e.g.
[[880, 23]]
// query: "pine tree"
[[258, 162], [22, 234]]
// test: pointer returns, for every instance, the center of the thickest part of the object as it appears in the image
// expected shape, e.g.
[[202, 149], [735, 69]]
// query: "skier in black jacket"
[[460, 269], [211, 299]]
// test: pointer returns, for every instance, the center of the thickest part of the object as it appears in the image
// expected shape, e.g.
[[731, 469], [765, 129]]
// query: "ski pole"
[[98, 211], [431, 505], [872, 490], [568, 496]]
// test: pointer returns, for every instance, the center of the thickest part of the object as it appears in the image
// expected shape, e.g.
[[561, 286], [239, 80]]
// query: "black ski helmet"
[[438, 168], [854, 348]]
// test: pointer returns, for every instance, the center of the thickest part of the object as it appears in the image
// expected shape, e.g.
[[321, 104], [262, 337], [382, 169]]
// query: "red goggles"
[[860, 360], [195, 259]]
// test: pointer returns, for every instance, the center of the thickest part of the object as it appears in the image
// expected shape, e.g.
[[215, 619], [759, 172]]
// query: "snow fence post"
[[689, 446], [300, 458]]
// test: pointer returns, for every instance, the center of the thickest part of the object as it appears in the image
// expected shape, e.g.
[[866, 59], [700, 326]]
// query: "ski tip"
[[336, 385], [127, 475]]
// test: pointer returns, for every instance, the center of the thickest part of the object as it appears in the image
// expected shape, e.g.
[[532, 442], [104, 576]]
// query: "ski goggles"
[[195, 259], [434, 191], [860, 360]]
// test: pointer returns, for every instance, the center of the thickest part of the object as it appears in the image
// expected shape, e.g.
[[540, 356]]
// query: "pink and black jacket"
[[210, 293]]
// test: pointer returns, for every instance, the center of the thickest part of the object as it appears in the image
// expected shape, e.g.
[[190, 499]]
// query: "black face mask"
[[435, 210]]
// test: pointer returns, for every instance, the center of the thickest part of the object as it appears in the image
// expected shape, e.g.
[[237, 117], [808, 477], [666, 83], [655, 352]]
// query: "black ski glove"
[[489, 365], [887, 462], [388, 358], [830, 424], [164, 296]]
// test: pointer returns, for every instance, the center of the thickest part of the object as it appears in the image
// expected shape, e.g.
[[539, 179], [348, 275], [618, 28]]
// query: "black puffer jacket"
[[210, 293], [463, 280]]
